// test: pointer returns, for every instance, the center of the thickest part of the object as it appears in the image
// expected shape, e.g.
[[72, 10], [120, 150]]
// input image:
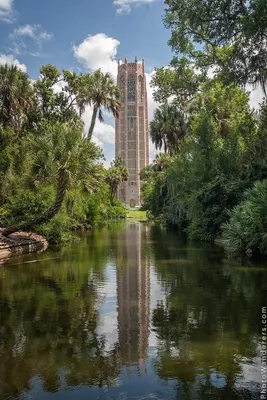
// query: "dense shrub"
[[246, 231], [80, 210], [209, 207], [221, 157], [59, 229], [25, 203]]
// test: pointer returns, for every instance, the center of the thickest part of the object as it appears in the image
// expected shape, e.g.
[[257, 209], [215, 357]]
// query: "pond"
[[130, 312]]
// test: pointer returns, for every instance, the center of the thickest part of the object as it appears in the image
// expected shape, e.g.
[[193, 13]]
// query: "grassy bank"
[[137, 215]]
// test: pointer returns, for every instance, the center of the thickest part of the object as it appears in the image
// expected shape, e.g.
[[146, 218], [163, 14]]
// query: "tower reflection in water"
[[133, 296]]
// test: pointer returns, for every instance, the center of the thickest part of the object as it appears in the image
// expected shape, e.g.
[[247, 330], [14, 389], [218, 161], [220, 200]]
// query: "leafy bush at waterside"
[[246, 231], [222, 155], [215, 140]]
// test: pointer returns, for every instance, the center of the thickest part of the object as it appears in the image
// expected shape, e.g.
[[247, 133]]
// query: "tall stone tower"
[[132, 128]]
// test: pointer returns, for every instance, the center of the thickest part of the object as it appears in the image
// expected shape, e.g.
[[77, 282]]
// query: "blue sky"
[[84, 34]]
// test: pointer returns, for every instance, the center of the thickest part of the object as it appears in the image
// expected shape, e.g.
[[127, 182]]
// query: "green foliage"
[[228, 36], [100, 210], [220, 158], [58, 230], [218, 45], [58, 105], [62, 147], [51, 179], [5, 153], [208, 207], [102, 93], [154, 188], [114, 211], [168, 128], [16, 96], [180, 82], [116, 174], [246, 230], [26, 203]]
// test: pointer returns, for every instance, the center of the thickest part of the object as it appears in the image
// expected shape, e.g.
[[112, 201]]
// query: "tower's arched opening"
[[132, 203]]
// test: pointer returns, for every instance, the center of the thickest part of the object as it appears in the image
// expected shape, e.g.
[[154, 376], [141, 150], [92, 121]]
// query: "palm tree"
[[16, 96], [64, 156], [102, 93], [168, 128], [116, 174]]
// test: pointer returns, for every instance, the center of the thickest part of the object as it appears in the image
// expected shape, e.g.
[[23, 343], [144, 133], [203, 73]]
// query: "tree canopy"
[[51, 175], [215, 140], [227, 36]]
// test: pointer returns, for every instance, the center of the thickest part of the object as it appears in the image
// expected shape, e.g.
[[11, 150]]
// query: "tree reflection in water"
[[210, 322], [49, 315], [206, 330]]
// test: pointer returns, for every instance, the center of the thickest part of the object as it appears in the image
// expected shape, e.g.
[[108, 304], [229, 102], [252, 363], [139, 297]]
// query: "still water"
[[129, 313]]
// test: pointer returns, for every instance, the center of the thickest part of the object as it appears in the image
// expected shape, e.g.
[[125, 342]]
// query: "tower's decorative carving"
[[132, 128], [131, 88], [140, 89], [122, 88]]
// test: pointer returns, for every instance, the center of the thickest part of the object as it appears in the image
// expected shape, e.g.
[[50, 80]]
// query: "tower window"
[[131, 111], [131, 123], [131, 88]]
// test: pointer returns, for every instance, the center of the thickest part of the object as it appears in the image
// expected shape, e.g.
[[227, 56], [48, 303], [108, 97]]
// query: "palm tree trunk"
[[111, 194], [49, 214], [165, 146], [264, 88], [93, 120]]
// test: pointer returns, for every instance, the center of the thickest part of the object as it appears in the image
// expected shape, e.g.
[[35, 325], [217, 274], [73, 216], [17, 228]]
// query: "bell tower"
[[131, 142]]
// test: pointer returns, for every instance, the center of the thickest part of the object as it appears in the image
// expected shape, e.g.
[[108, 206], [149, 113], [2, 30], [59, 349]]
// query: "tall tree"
[[63, 156], [229, 36], [102, 93], [168, 128], [60, 95], [179, 82], [116, 174], [16, 96]]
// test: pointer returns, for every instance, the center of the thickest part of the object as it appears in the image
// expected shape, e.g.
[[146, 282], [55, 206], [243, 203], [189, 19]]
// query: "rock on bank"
[[20, 243]]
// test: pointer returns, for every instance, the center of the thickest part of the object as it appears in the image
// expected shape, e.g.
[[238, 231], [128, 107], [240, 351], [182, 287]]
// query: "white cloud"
[[26, 30], [11, 60], [32, 32], [98, 51], [125, 6], [151, 106], [256, 97], [59, 86], [108, 161], [103, 133], [6, 10]]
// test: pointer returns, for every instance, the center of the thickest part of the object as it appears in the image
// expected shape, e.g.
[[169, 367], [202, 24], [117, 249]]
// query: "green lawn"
[[137, 214]]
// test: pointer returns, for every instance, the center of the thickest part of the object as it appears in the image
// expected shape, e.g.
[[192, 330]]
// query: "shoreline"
[[21, 243]]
